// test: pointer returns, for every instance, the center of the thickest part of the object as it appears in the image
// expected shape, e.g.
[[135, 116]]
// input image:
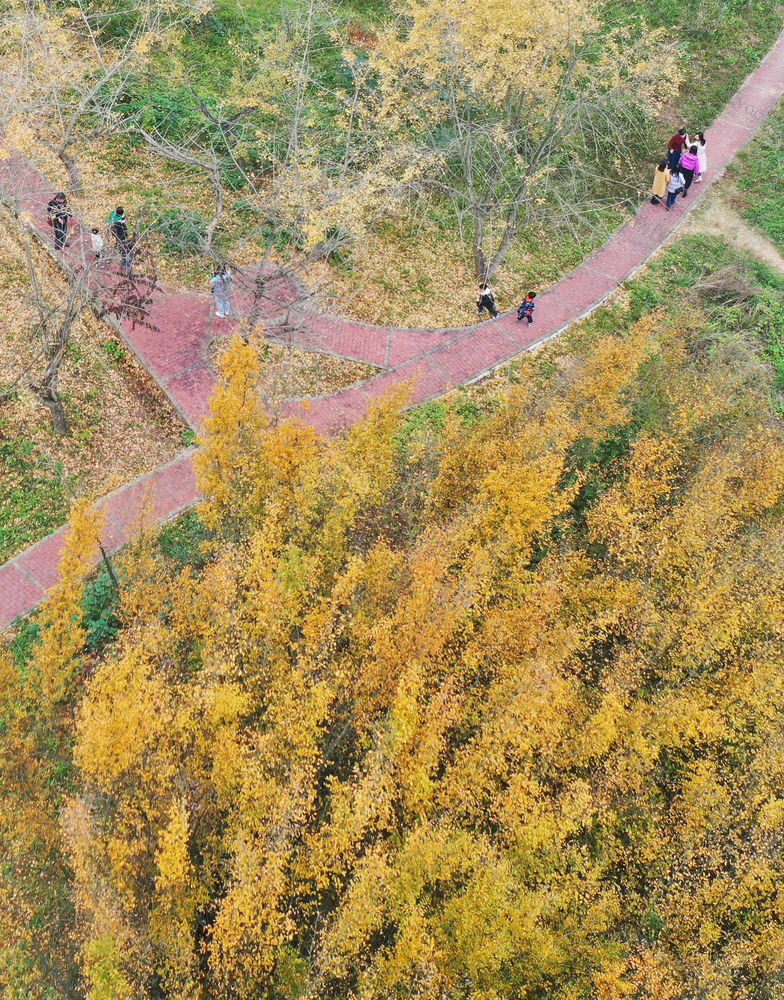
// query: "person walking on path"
[[678, 141], [688, 166], [221, 289], [702, 155], [661, 179], [526, 308], [486, 300], [674, 187], [59, 216]]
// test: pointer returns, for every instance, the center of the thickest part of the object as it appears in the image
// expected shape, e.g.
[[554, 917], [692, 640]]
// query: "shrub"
[[181, 230]]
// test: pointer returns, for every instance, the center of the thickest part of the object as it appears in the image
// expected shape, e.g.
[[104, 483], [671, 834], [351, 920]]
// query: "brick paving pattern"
[[170, 332]]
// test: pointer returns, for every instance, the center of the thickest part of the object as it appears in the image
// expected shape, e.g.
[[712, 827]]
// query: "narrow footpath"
[[170, 331]]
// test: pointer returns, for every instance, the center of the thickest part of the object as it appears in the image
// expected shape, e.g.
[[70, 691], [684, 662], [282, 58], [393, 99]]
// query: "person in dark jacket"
[[526, 308], [486, 300], [128, 248], [60, 218], [675, 147]]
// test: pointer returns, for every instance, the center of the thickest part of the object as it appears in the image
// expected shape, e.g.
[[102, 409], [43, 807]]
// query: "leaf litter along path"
[[170, 333]]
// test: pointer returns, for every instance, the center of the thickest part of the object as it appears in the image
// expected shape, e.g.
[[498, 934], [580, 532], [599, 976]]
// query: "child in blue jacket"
[[526, 308]]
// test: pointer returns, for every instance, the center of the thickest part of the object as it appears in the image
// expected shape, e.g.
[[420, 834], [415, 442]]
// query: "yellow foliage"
[[232, 440], [57, 656], [498, 718]]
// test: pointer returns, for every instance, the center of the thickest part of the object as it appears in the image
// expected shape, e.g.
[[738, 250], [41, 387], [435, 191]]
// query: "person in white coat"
[[702, 154], [674, 187], [98, 246], [221, 287]]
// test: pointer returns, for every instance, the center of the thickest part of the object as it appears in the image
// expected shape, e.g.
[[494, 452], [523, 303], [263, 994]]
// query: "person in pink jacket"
[[689, 167]]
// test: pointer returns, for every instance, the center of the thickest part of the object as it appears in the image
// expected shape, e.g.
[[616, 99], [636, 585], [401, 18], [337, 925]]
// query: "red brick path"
[[170, 331]]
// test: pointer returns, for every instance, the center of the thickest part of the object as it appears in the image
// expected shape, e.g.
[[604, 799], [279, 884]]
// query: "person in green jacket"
[[118, 225]]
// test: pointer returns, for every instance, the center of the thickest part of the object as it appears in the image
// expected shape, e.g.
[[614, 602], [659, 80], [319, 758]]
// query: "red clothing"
[[676, 142]]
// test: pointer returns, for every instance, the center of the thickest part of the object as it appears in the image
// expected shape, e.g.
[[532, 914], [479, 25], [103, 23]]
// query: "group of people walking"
[[686, 161], [60, 218], [486, 301]]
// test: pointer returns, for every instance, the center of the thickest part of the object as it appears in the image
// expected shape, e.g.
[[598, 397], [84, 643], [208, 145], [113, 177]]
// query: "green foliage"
[[23, 643], [643, 297], [34, 495], [758, 172], [103, 961], [425, 420], [182, 231], [99, 605], [115, 351], [182, 540], [598, 465], [282, 237]]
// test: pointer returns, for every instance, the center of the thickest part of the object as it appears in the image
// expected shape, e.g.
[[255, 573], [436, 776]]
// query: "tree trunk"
[[109, 568], [47, 391], [74, 177], [210, 231], [480, 263], [50, 397]]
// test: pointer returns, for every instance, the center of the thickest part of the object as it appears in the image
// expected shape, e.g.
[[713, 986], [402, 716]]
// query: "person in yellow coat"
[[660, 181]]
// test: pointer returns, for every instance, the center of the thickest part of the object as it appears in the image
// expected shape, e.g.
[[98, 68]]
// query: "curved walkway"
[[170, 331]]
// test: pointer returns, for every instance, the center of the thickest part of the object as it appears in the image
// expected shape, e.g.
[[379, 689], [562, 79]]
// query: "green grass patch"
[[758, 173], [181, 541], [34, 495]]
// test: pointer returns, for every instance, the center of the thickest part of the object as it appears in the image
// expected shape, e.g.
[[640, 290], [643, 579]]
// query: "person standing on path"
[[674, 187], [526, 308], [220, 281], [661, 179], [486, 300], [678, 141], [702, 155], [98, 245], [59, 217], [118, 226], [127, 248], [688, 166]]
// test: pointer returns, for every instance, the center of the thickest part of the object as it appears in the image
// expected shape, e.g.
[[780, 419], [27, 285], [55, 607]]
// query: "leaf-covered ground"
[[289, 373], [121, 425]]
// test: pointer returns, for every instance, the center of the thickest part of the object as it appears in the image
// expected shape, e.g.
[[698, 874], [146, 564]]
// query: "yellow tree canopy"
[[518, 735]]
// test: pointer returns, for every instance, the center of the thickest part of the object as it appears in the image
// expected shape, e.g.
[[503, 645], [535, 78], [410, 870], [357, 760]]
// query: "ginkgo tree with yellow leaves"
[[522, 743], [515, 108]]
